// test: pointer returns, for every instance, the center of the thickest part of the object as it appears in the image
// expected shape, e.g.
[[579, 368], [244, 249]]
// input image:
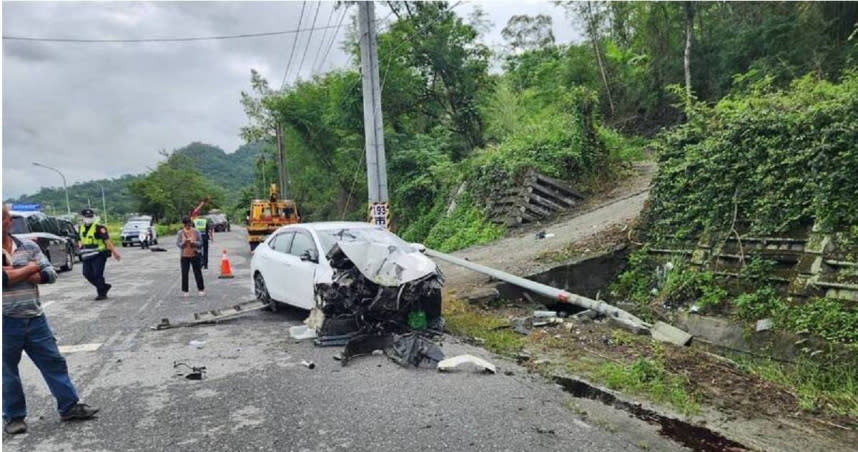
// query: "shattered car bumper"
[[382, 297]]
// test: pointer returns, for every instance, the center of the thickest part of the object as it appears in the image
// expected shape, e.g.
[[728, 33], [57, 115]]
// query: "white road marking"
[[79, 348]]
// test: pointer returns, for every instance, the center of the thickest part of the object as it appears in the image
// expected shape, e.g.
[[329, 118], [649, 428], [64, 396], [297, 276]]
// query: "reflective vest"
[[88, 240], [200, 224]]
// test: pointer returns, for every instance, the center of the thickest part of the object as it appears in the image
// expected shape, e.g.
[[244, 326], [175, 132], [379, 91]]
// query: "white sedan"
[[287, 266]]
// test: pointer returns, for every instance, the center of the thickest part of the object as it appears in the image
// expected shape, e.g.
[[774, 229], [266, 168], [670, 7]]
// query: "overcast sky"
[[103, 110]]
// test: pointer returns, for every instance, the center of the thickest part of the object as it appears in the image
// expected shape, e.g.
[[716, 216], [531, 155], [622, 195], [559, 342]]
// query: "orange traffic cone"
[[225, 270]]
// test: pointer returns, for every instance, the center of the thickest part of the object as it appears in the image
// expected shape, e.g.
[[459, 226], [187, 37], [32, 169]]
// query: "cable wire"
[[322, 44], [333, 39], [143, 40], [309, 38], [292, 53]]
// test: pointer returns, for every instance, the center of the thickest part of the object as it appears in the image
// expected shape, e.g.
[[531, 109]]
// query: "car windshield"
[[328, 237], [19, 225], [131, 226]]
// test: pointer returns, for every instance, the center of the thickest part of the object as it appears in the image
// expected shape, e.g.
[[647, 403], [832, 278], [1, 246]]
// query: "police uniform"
[[94, 254], [202, 224]]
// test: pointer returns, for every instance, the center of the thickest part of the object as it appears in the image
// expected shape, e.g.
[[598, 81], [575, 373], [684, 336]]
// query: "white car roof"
[[332, 225]]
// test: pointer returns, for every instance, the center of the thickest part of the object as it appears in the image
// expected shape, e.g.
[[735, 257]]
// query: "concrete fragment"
[[484, 295], [667, 333], [764, 324], [547, 322], [542, 314], [630, 327], [454, 362]]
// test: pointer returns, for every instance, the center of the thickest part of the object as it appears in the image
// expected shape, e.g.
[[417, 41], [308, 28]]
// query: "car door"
[[276, 265], [304, 259]]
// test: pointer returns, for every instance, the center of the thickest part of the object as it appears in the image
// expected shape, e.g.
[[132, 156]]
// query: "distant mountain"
[[233, 172]]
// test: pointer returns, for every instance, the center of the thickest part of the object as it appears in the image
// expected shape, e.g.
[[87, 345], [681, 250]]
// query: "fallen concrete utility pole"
[[562, 296]]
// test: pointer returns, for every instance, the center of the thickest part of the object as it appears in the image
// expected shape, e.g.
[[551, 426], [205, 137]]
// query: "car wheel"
[[124, 244], [261, 292], [69, 261]]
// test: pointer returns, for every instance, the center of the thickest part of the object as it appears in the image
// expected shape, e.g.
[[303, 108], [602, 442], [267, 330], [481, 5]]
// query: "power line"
[[324, 39], [333, 39], [142, 40], [292, 53], [309, 38]]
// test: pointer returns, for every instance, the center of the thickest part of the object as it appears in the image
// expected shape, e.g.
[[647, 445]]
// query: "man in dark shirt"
[[26, 329], [95, 247]]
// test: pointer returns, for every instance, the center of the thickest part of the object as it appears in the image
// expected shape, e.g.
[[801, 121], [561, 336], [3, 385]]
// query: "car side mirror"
[[419, 247], [311, 256]]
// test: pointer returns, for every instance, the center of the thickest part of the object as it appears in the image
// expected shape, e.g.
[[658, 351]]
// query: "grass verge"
[[831, 388], [462, 320], [646, 376]]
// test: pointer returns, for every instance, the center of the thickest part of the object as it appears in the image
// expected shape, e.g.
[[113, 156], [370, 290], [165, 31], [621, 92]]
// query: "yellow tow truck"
[[266, 215]]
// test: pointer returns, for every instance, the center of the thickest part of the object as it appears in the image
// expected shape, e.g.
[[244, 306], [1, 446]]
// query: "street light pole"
[[103, 202], [68, 205]]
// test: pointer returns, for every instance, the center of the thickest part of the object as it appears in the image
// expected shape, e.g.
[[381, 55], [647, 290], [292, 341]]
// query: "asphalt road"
[[257, 395]]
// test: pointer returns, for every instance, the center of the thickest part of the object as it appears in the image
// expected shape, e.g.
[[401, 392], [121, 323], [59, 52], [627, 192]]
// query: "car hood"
[[386, 264]]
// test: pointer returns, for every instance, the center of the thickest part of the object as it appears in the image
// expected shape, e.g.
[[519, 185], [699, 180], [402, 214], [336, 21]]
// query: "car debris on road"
[[456, 361]]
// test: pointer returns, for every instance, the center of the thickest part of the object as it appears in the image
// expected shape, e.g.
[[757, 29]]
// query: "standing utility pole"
[[281, 162], [103, 202], [376, 164]]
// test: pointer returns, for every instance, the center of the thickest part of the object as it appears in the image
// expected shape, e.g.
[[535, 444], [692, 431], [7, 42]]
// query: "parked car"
[[288, 264], [59, 250], [218, 221], [130, 234], [67, 230]]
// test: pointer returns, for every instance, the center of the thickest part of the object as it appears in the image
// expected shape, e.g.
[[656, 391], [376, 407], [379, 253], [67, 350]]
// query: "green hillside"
[[232, 172]]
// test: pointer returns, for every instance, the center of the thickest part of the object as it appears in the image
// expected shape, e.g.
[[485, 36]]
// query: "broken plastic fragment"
[[454, 362]]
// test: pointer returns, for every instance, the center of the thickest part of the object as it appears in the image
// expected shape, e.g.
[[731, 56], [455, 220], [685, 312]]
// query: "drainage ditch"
[[692, 436]]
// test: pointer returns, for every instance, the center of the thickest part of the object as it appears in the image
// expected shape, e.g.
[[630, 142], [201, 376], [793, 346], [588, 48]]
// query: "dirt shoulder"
[[682, 382]]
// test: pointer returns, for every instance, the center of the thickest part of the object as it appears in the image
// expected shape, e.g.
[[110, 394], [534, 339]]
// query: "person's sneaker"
[[80, 411], [15, 427], [101, 297], [186, 294], [202, 293]]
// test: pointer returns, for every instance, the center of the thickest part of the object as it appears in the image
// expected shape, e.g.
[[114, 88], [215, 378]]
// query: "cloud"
[[104, 110]]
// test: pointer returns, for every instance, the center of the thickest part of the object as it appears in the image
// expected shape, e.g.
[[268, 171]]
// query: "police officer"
[[202, 224], [95, 247]]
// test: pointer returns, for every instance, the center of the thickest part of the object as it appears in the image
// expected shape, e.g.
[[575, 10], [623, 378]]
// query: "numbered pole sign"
[[379, 214]]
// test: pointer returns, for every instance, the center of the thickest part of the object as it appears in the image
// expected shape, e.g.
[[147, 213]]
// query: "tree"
[[528, 32], [593, 15], [173, 189], [433, 43]]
